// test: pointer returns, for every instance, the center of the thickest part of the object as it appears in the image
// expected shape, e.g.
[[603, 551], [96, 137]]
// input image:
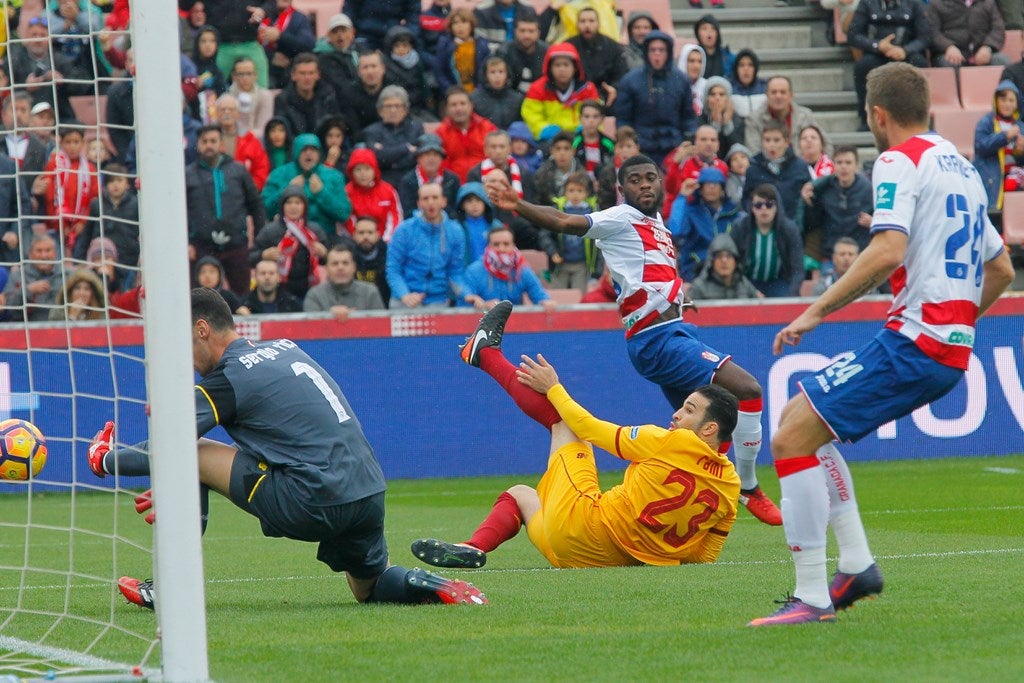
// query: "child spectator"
[[524, 148], [718, 58], [592, 147], [738, 161], [210, 274], [210, 82], [297, 245], [97, 153], [277, 142], [114, 215], [405, 67], [495, 99], [502, 273], [549, 182], [999, 145], [371, 255], [69, 184], [749, 91], [371, 195], [626, 145], [460, 55], [812, 150], [691, 62], [556, 97], [476, 215], [575, 262], [333, 134], [722, 277]]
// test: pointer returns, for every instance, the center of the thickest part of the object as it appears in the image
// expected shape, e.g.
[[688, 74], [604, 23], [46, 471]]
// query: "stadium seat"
[[978, 86], [1013, 218], [319, 13], [942, 82], [537, 260], [1013, 46], [89, 110], [837, 27], [661, 10], [958, 128], [566, 297]]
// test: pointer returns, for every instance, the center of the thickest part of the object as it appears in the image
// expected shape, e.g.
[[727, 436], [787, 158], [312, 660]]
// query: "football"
[[22, 450]]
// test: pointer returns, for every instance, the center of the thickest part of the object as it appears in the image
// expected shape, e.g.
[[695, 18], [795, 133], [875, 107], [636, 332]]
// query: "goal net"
[[79, 341]]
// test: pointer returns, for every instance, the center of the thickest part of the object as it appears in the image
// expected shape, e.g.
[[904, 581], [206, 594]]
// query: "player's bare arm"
[[882, 256], [998, 274], [503, 195], [538, 374]]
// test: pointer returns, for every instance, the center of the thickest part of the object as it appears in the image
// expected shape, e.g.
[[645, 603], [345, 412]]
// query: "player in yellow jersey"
[[676, 503]]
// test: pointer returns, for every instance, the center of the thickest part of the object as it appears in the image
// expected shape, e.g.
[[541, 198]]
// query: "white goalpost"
[[66, 536]]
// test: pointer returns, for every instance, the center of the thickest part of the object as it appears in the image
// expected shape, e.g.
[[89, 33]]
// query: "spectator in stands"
[[475, 213], [697, 219], [245, 148], [14, 195], [294, 243], [718, 58], [371, 195], [71, 23], [845, 252], [342, 292], [559, 21], [333, 135], [686, 165], [608, 190], [115, 216], [462, 132], [102, 258], [373, 18], [337, 54], [721, 277], [749, 91], [497, 20], [460, 55], [210, 274], [691, 62], [361, 98], [602, 58], [429, 160], [966, 33], [999, 145], [1012, 12], [393, 138], [777, 165], [573, 261], [371, 254], [654, 99], [209, 81], [324, 186], [404, 66], [284, 34], [238, 23], [433, 21], [498, 157], [502, 273], [812, 150], [778, 106], [555, 98], [49, 76], [549, 181], [220, 197], [120, 113], [426, 257], [68, 184], [592, 147], [268, 296], [255, 104], [189, 25], [82, 298], [97, 152], [738, 161], [771, 252], [639, 23], [33, 285], [524, 53], [277, 142], [306, 100], [886, 31], [44, 125], [524, 147], [720, 113], [495, 99], [27, 150], [837, 206]]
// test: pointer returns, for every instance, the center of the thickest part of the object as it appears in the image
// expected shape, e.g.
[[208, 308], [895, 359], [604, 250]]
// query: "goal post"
[[164, 248]]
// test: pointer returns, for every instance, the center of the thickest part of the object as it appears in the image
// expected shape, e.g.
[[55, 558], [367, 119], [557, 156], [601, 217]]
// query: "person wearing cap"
[[430, 156], [697, 219], [44, 125], [393, 138], [722, 277], [373, 18], [324, 186], [337, 54], [307, 100], [284, 34]]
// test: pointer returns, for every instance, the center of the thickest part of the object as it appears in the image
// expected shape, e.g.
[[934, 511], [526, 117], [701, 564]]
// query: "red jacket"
[[464, 149], [677, 173], [249, 152], [379, 201]]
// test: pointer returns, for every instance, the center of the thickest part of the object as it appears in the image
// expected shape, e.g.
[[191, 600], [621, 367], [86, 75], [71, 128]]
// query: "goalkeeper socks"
[[501, 524], [391, 586], [204, 507], [535, 405], [747, 441], [854, 553], [805, 520]]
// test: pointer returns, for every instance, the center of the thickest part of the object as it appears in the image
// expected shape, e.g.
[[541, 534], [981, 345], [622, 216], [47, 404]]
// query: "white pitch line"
[[71, 657]]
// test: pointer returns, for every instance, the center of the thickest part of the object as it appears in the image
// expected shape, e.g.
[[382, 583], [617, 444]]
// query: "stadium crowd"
[[343, 171]]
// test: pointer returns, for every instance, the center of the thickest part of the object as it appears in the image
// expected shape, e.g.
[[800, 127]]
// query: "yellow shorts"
[[568, 530]]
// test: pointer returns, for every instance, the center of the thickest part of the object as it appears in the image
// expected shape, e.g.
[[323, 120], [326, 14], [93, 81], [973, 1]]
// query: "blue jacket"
[[475, 240], [693, 226], [657, 104], [990, 149], [427, 258], [790, 179], [483, 284]]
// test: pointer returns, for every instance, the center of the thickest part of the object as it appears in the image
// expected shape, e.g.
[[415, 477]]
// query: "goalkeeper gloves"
[[99, 447]]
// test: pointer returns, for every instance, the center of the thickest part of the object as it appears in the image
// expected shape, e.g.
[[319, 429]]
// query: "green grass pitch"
[[949, 535]]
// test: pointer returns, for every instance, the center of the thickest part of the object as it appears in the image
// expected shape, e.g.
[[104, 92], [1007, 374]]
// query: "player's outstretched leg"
[[418, 586], [451, 555], [488, 333], [141, 593], [501, 524]]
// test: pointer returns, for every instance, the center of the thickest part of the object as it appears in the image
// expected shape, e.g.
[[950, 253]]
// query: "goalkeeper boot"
[[761, 506], [488, 333], [436, 588], [847, 589], [99, 448], [452, 555], [141, 593], [796, 611]]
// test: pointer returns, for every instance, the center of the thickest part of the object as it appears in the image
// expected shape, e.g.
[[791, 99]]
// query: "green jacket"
[[327, 207]]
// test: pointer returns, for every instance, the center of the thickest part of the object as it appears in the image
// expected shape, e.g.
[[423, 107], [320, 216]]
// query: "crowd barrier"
[[429, 415]]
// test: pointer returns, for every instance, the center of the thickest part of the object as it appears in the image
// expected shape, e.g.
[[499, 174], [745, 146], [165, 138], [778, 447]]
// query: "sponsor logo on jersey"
[[707, 355], [885, 196], [633, 431], [965, 338]]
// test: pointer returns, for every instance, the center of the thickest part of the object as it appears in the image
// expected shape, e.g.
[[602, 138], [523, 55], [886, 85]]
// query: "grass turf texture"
[[947, 533]]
